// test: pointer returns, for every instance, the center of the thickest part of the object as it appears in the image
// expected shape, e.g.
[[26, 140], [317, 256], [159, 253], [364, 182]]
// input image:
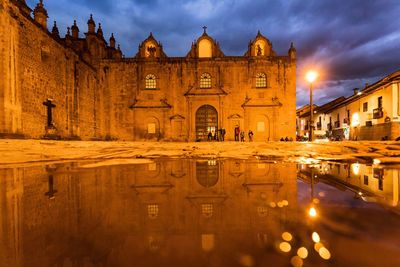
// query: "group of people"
[[219, 135], [240, 133], [286, 139]]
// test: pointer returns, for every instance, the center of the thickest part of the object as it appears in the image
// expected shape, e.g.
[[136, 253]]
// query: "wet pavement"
[[200, 212]]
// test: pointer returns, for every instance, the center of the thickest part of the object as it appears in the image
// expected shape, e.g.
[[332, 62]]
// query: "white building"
[[372, 113]]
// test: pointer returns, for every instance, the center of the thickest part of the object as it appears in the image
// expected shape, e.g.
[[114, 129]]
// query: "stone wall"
[[233, 84], [99, 95], [37, 67]]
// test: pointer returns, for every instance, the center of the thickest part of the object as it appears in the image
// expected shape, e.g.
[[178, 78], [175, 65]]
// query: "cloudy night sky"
[[349, 42]]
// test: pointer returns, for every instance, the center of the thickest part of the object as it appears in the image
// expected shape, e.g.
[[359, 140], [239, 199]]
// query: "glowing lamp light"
[[315, 237], [296, 261], [302, 252], [355, 120], [285, 246], [312, 212], [355, 168], [324, 253], [287, 236], [311, 76]]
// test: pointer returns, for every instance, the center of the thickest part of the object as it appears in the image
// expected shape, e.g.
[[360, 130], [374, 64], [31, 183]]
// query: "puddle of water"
[[191, 212]]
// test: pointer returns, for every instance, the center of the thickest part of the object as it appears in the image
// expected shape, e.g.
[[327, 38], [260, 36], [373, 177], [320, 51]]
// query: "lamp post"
[[310, 77]]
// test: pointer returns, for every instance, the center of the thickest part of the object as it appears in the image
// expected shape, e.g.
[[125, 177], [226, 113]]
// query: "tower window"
[[205, 80], [151, 82], [261, 80]]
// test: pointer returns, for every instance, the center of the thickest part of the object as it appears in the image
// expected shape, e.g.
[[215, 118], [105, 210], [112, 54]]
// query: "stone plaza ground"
[[37, 151]]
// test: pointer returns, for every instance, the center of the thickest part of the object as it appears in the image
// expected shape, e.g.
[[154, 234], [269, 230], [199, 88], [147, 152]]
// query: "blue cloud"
[[353, 42]]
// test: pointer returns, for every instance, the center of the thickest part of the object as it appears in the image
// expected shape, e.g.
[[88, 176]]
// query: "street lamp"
[[311, 76]]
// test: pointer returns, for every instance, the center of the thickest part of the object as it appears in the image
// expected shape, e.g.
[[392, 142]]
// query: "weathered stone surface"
[[101, 96]]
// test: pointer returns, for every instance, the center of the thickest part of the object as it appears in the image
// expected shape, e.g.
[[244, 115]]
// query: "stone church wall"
[[175, 77], [98, 95], [36, 67]]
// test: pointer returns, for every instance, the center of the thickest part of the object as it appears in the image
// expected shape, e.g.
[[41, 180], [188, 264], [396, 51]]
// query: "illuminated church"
[[76, 87]]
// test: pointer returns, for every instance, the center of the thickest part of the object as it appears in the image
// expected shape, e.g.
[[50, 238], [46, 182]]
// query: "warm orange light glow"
[[355, 120], [302, 252], [324, 253], [287, 236], [285, 246], [296, 261], [312, 212], [315, 237], [355, 167], [318, 246], [311, 76]]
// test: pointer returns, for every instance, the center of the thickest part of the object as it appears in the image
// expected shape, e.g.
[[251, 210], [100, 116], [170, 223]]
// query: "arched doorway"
[[206, 121], [207, 173]]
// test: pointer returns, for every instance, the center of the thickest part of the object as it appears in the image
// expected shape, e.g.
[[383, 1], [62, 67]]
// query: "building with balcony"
[[372, 113]]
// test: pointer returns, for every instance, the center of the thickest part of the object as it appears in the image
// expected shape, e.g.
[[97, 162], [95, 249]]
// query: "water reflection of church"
[[185, 209]]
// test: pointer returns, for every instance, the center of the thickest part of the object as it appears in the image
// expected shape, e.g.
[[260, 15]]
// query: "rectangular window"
[[366, 179], [380, 102], [260, 126], [151, 128], [365, 107], [152, 166]]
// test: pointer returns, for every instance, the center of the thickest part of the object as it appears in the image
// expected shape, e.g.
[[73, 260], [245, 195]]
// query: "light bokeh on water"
[[199, 212]]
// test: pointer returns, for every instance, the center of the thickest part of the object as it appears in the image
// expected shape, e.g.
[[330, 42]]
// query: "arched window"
[[151, 82], [205, 80], [261, 80]]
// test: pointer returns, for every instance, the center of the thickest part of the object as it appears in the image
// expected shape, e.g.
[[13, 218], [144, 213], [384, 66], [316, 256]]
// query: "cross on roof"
[[205, 28]]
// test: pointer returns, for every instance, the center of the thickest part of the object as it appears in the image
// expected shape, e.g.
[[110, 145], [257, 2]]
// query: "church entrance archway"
[[206, 122]]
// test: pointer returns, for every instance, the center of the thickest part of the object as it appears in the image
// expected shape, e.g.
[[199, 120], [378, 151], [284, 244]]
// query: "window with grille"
[[205, 80], [207, 210], [151, 82], [152, 211], [261, 80]]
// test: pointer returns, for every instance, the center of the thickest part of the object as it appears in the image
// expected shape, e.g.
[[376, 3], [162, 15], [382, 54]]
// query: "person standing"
[[237, 132], [223, 132], [242, 136], [209, 136], [250, 135]]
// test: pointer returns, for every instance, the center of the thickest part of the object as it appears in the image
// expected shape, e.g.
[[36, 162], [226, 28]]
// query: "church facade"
[[76, 87]]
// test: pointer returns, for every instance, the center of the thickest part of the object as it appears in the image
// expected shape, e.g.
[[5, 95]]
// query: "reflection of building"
[[151, 214], [372, 113], [372, 183], [74, 87]]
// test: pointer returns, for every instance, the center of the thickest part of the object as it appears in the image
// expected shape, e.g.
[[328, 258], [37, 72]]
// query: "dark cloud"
[[351, 42]]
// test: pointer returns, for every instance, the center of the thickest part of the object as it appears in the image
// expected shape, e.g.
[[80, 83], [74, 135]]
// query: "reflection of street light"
[[311, 76], [312, 212]]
